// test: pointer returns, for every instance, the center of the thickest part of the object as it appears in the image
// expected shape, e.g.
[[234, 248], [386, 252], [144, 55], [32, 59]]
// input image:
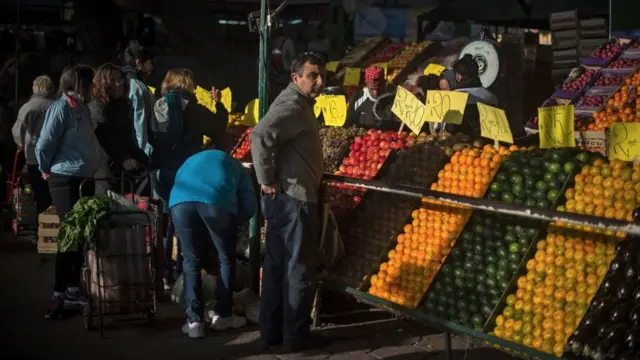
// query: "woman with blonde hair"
[[177, 131]]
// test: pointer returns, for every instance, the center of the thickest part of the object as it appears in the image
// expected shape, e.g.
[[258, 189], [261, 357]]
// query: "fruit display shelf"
[[370, 229], [335, 144], [622, 105], [412, 56], [416, 252]]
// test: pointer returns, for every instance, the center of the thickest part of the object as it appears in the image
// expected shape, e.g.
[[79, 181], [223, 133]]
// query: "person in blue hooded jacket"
[[139, 65], [69, 153], [211, 197]]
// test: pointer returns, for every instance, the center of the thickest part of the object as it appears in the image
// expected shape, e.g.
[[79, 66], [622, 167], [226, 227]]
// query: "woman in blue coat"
[[212, 195]]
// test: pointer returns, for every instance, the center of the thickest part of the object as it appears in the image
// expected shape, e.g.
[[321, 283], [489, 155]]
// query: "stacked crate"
[[565, 28], [48, 226]]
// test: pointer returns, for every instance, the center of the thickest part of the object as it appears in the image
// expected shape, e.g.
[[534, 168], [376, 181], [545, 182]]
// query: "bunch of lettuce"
[[78, 230]]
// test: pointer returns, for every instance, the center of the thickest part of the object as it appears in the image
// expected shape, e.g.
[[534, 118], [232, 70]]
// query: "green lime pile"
[[533, 178], [479, 268]]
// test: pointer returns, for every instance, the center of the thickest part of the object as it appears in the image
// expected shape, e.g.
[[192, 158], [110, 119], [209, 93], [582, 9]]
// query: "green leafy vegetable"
[[80, 225]]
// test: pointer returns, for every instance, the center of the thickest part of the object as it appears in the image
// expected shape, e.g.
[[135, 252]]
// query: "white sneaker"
[[194, 330], [234, 321]]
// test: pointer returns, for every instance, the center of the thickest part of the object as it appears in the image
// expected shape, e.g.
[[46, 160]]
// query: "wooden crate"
[[47, 247], [48, 223]]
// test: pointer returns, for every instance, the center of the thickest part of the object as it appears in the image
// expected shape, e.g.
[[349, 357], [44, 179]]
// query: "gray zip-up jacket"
[[26, 129], [286, 146]]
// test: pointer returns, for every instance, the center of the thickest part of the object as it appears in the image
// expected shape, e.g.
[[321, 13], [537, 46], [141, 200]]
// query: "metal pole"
[[610, 16], [17, 63], [254, 225], [447, 346]]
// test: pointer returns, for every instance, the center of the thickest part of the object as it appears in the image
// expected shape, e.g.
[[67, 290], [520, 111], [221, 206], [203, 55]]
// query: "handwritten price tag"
[[624, 141], [317, 107], [494, 124], [409, 109], [251, 116], [351, 77], [334, 110], [332, 66], [556, 126], [152, 89], [434, 69], [204, 98], [446, 106], [226, 98]]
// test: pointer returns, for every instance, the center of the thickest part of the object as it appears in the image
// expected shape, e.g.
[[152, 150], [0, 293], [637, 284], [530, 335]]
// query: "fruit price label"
[[152, 89], [332, 66], [226, 98], [334, 110], [251, 113], [351, 76], [556, 126], [317, 107], [624, 141], [409, 109], [446, 106], [204, 98], [434, 69], [494, 124]]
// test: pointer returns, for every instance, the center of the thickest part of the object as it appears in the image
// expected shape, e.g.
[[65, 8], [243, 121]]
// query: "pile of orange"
[[606, 189], [555, 293], [470, 171], [619, 108], [427, 240]]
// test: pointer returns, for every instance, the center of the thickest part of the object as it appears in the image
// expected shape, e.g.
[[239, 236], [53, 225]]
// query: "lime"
[[540, 194], [530, 202], [544, 204], [514, 248], [541, 185], [496, 186], [517, 189], [553, 195], [626, 174], [583, 156], [527, 171], [517, 179], [534, 162], [569, 167], [491, 271], [502, 176], [562, 178], [529, 182], [554, 167], [549, 177], [507, 197]]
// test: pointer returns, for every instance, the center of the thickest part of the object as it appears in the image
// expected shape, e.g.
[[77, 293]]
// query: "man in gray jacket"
[[26, 131], [287, 156]]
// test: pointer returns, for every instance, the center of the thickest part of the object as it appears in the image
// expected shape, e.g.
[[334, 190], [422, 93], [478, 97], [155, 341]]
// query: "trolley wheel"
[[88, 317]]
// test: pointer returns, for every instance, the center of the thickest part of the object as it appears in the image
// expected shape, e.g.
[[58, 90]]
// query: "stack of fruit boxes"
[[48, 226]]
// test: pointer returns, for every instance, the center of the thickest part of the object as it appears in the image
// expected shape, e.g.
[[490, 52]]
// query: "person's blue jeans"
[[289, 269], [197, 224], [162, 181]]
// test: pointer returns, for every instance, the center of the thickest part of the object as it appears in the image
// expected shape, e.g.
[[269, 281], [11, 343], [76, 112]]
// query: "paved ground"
[[24, 334]]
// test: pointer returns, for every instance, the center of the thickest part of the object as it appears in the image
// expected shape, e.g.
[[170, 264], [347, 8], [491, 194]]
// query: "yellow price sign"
[[204, 98], [555, 124], [317, 107], [351, 77], [409, 109], [446, 106], [334, 110], [494, 124], [251, 113], [152, 89], [332, 66], [384, 66], [226, 98], [434, 69], [624, 141]]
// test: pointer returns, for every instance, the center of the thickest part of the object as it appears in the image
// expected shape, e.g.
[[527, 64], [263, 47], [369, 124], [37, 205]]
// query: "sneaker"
[[75, 296], [167, 284], [218, 323], [194, 330], [55, 308]]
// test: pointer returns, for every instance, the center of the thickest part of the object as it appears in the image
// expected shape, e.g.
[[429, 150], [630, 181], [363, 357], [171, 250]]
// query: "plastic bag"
[[208, 289], [247, 303]]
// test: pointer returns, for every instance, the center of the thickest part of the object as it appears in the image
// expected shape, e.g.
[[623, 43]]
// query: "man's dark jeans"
[[40, 188], [197, 224], [289, 269]]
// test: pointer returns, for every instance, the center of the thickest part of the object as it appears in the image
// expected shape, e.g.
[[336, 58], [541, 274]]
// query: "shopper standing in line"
[[138, 66], [112, 116], [26, 131], [211, 197], [68, 153], [287, 156], [177, 130]]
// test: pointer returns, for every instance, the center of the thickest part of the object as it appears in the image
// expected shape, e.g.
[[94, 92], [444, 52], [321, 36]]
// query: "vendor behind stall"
[[468, 81], [360, 110]]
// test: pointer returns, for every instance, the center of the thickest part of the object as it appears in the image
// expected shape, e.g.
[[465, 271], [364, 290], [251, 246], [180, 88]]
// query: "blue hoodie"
[[142, 101], [215, 178], [67, 144]]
